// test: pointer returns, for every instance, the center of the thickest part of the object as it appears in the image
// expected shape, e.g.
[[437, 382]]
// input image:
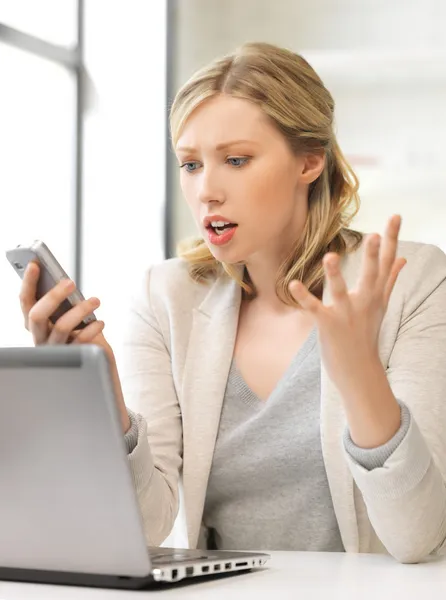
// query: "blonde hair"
[[295, 99]]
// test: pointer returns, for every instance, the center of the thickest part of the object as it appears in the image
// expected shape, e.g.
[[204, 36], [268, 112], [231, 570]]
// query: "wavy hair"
[[293, 96]]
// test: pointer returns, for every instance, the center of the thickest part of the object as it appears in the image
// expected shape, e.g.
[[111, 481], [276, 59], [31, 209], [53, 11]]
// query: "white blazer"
[[176, 358]]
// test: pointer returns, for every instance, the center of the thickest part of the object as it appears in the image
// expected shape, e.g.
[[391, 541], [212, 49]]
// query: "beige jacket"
[[179, 345]]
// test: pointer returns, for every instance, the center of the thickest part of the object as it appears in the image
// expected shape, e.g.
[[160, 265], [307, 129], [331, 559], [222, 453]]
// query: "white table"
[[289, 575]]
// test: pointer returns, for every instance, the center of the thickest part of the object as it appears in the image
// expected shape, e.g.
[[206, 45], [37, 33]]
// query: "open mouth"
[[221, 229]]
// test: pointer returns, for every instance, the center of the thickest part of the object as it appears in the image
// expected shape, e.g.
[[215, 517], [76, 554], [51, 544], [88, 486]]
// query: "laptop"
[[68, 509]]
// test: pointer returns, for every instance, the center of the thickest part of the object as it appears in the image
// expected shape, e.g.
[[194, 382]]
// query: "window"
[[121, 149], [37, 150]]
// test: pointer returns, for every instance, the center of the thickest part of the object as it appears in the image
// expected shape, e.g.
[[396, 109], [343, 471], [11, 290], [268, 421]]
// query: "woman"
[[290, 372]]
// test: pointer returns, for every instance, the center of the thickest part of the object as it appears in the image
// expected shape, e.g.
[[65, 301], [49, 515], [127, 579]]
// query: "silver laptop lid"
[[67, 500]]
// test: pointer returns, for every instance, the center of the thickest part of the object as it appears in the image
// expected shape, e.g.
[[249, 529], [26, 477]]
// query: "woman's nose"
[[209, 189]]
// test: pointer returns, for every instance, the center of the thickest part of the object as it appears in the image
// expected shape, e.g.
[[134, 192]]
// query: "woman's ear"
[[312, 167]]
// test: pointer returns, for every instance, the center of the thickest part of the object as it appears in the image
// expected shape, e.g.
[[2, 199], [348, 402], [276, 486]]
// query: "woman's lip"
[[224, 238]]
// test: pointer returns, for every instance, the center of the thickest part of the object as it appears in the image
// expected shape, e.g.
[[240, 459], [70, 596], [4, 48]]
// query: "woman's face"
[[237, 168]]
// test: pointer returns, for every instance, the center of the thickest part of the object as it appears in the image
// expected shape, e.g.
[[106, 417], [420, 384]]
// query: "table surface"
[[293, 575]]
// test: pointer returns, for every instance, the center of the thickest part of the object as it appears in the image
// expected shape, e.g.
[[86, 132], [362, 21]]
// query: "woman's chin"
[[228, 255]]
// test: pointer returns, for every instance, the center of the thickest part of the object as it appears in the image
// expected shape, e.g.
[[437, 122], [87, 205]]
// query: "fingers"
[[379, 272], [37, 313], [389, 246], [64, 326], [380, 267], [370, 265], [40, 312], [396, 270], [306, 299], [87, 335], [335, 280], [27, 295]]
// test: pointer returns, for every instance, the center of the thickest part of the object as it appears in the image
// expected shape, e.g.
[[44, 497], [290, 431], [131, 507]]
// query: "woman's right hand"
[[36, 314]]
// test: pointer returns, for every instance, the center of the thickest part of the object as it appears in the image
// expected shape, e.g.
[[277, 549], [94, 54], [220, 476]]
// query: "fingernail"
[[68, 284]]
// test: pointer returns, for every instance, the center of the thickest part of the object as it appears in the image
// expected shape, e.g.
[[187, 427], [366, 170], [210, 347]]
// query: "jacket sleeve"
[[406, 496], [149, 391], [372, 458]]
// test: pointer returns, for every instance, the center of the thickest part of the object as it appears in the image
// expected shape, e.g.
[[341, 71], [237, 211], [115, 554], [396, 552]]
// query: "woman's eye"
[[189, 166], [234, 161], [238, 161]]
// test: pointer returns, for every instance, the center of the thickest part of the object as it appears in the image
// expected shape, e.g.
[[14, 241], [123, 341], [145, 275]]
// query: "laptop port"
[[217, 567], [241, 564], [189, 571], [227, 566], [205, 569]]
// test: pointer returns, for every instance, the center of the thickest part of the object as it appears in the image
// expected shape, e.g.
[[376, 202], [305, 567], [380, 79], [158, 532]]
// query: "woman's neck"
[[263, 279]]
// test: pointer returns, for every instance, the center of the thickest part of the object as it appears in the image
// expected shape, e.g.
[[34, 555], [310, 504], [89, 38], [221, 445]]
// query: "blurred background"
[[85, 161]]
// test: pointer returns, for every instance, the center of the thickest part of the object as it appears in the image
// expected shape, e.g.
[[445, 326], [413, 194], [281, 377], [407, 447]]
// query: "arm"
[[148, 389], [406, 497]]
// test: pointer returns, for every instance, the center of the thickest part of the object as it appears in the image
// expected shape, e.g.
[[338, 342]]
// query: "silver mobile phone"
[[51, 273]]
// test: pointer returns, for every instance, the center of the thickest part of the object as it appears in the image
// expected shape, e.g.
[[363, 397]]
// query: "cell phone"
[[51, 272]]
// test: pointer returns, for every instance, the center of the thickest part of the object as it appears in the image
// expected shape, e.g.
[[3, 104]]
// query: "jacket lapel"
[[333, 423], [207, 365]]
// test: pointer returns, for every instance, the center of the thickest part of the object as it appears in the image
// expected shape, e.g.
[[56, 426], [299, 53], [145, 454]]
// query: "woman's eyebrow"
[[219, 147]]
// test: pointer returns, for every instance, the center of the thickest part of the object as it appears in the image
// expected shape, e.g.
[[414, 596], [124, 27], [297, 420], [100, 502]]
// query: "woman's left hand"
[[349, 328]]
